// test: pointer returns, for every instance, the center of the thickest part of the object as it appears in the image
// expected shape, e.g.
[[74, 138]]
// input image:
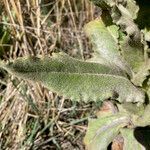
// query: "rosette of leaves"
[[118, 71]]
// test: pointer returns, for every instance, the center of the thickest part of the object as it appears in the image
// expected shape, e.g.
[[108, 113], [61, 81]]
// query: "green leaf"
[[142, 74], [77, 80], [144, 120], [129, 140], [113, 30], [123, 14], [147, 36], [132, 8], [90, 87], [105, 45], [133, 53], [132, 48], [103, 130], [131, 108], [61, 62]]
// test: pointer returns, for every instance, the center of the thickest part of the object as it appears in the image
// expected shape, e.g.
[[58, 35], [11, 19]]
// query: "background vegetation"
[[32, 117]]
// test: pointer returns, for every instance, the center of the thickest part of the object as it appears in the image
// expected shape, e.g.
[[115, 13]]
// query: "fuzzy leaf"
[[131, 108], [142, 74], [105, 44], [129, 140], [144, 120], [103, 130], [132, 8], [123, 14], [133, 53], [113, 29], [147, 35], [76, 81], [61, 62]]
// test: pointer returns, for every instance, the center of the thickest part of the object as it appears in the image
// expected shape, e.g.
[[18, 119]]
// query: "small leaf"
[[142, 74], [103, 130], [144, 120], [78, 81], [105, 45], [133, 53], [124, 15], [131, 9], [130, 142], [147, 36]]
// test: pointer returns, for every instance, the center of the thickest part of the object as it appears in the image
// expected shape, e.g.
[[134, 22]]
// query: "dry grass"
[[32, 117]]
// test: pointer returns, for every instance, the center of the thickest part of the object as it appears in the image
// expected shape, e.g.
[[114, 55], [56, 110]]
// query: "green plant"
[[118, 71]]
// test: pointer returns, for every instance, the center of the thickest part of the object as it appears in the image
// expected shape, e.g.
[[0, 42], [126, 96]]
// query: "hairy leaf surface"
[[144, 120], [142, 74], [76, 81], [133, 53], [105, 43], [61, 62], [147, 35], [103, 130]]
